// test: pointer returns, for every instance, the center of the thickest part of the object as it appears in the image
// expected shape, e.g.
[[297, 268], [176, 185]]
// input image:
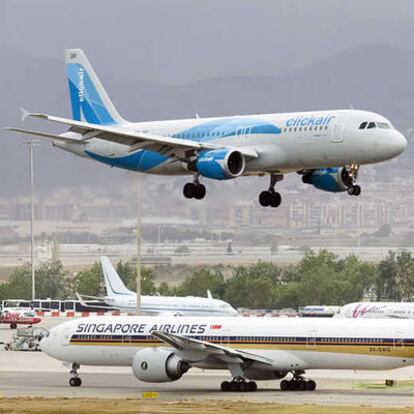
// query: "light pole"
[[139, 232], [30, 145]]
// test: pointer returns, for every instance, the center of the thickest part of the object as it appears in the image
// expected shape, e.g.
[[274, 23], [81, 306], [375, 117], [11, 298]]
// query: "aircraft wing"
[[183, 343], [169, 146]]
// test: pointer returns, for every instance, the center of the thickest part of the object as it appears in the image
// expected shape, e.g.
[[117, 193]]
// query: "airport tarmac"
[[35, 374]]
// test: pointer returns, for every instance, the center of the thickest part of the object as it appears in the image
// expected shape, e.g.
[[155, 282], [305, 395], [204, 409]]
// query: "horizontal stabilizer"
[[45, 135]]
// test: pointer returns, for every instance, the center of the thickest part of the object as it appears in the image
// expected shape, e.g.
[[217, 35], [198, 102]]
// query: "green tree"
[[253, 286], [89, 282], [165, 290], [395, 277], [201, 280], [19, 285], [51, 281], [322, 279]]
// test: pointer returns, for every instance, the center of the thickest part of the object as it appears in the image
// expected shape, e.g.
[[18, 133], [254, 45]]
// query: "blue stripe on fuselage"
[[228, 127], [137, 161]]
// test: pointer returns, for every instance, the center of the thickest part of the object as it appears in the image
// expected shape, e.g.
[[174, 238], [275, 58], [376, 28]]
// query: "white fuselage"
[[377, 310], [289, 343], [283, 142], [173, 305]]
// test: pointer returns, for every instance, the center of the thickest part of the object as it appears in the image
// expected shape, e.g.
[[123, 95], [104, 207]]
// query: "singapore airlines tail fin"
[[113, 283], [89, 100]]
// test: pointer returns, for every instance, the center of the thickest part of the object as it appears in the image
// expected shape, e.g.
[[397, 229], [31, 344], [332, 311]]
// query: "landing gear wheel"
[[284, 385], [244, 386], [271, 197], [354, 190], [200, 192], [293, 385], [302, 385], [357, 190], [225, 386], [311, 385], [75, 382], [251, 386], [276, 199], [265, 198], [235, 386], [189, 190]]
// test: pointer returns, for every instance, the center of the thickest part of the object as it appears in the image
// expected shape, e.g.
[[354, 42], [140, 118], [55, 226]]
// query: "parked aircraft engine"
[[329, 179], [220, 164], [158, 365]]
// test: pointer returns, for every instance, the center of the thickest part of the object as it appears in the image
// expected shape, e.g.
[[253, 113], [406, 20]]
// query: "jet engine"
[[158, 365], [329, 179], [220, 164]]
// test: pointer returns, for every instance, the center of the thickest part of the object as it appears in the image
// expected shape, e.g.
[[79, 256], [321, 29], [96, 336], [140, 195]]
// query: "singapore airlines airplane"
[[403, 310], [119, 297], [325, 147], [163, 349]]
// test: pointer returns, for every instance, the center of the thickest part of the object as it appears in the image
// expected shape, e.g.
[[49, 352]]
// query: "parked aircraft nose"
[[44, 344]]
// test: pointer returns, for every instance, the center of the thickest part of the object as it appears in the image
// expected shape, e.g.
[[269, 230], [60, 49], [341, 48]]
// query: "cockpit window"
[[363, 125], [384, 125], [371, 125]]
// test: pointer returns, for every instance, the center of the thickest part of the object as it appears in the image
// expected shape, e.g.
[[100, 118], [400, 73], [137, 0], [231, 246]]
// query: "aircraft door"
[[398, 340], [225, 337], [337, 129], [311, 339], [66, 337]]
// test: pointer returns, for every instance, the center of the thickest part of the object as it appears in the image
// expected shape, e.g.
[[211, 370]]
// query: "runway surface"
[[36, 374]]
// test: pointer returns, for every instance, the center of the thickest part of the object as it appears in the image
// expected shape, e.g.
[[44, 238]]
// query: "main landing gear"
[[75, 380], [271, 197], [238, 384], [353, 189], [195, 189], [298, 383]]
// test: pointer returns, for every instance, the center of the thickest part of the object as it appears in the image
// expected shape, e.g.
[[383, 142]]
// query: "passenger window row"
[[315, 128]]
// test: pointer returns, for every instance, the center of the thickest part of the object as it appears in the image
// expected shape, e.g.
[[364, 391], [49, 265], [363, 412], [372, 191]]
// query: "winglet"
[[25, 114], [209, 295]]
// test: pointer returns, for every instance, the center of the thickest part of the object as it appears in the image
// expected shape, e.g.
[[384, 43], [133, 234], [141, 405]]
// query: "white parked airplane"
[[404, 310], [163, 349], [119, 297], [325, 147]]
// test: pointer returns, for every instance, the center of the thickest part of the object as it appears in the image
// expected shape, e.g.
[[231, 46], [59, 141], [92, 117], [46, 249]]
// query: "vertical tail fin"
[[113, 283], [89, 100]]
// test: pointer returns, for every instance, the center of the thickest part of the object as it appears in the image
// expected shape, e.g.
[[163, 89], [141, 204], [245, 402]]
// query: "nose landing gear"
[[271, 197], [75, 380], [353, 189], [194, 190]]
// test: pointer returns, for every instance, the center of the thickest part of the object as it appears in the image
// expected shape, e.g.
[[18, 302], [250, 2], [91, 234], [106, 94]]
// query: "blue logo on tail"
[[84, 97]]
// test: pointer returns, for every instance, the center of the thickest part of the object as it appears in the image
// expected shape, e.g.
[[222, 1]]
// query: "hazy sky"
[[183, 40]]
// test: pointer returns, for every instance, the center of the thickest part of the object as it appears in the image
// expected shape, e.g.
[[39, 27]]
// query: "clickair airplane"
[[325, 147], [120, 297]]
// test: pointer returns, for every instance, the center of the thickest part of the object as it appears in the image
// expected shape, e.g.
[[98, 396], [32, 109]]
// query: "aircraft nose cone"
[[399, 143], [44, 345]]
